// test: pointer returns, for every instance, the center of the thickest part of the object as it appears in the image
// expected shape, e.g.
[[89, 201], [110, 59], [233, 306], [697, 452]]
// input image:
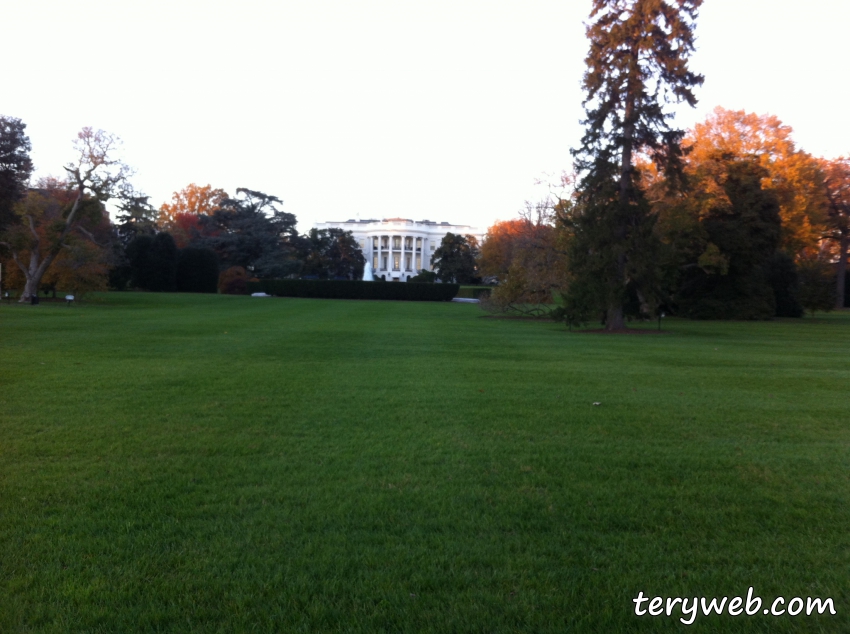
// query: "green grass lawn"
[[172, 463]]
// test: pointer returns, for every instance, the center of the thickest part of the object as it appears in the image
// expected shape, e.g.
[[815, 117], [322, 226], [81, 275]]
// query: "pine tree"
[[637, 64]]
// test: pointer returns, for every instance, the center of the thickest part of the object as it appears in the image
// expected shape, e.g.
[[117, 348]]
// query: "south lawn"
[[174, 463]]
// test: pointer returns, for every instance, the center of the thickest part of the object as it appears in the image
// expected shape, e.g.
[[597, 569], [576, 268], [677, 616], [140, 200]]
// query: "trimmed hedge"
[[197, 271], [346, 289], [474, 292]]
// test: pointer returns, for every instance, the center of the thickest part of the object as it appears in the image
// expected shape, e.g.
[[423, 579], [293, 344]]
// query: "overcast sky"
[[445, 110]]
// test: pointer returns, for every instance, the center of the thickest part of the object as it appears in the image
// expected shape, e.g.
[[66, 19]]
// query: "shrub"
[[345, 289], [197, 271], [817, 285], [233, 281], [424, 276]]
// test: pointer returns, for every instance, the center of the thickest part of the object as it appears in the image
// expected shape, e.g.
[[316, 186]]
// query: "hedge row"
[[474, 292], [344, 289]]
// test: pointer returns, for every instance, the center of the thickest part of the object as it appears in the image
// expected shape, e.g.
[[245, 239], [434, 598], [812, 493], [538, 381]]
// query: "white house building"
[[399, 248]]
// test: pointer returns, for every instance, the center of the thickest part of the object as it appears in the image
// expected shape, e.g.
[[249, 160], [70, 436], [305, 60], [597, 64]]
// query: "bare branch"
[[32, 227], [88, 235]]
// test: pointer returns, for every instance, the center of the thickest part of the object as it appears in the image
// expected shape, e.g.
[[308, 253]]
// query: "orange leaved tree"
[[794, 176], [181, 216]]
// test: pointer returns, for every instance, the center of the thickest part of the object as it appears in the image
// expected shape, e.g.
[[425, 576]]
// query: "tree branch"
[[88, 235], [32, 227]]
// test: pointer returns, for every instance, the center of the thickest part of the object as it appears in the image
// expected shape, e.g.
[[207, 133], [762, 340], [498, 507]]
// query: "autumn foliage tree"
[[794, 176], [527, 258], [180, 217], [44, 229], [837, 189]]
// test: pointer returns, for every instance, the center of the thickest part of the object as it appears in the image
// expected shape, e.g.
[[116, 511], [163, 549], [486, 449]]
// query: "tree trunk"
[[34, 273], [841, 270], [614, 317]]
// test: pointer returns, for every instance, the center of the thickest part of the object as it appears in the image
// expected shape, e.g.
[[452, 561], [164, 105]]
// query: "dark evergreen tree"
[[136, 217], [253, 233], [638, 62], [139, 261], [153, 262], [163, 263], [197, 271], [15, 166]]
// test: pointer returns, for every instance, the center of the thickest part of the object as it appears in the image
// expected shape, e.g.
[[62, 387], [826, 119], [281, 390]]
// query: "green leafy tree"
[[638, 62], [332, 253], [455, 259]]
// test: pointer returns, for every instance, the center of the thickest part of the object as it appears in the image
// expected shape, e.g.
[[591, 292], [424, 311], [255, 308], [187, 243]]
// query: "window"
[[385, 242], [384, 263], [408, 262], [396, 242], [408, 244], [396, 262], [418, 262], [374, 262], [362, 244], [418, 244]]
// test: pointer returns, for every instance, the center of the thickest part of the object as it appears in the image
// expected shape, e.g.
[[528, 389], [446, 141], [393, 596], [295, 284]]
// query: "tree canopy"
[[332, 253], [455, 259], [180, 217], [252, 232], [15, 166]]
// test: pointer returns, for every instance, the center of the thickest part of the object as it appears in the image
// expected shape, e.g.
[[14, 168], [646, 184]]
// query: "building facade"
[[398, 248]]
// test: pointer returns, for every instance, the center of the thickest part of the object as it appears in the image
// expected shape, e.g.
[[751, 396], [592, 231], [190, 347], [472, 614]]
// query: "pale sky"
[[445, 110]]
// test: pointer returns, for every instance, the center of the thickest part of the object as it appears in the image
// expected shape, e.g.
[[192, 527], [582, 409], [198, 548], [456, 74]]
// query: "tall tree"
[[638, 62], [94, 177], [251, 232], [837, 183], [15, 166], [455, 259]]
